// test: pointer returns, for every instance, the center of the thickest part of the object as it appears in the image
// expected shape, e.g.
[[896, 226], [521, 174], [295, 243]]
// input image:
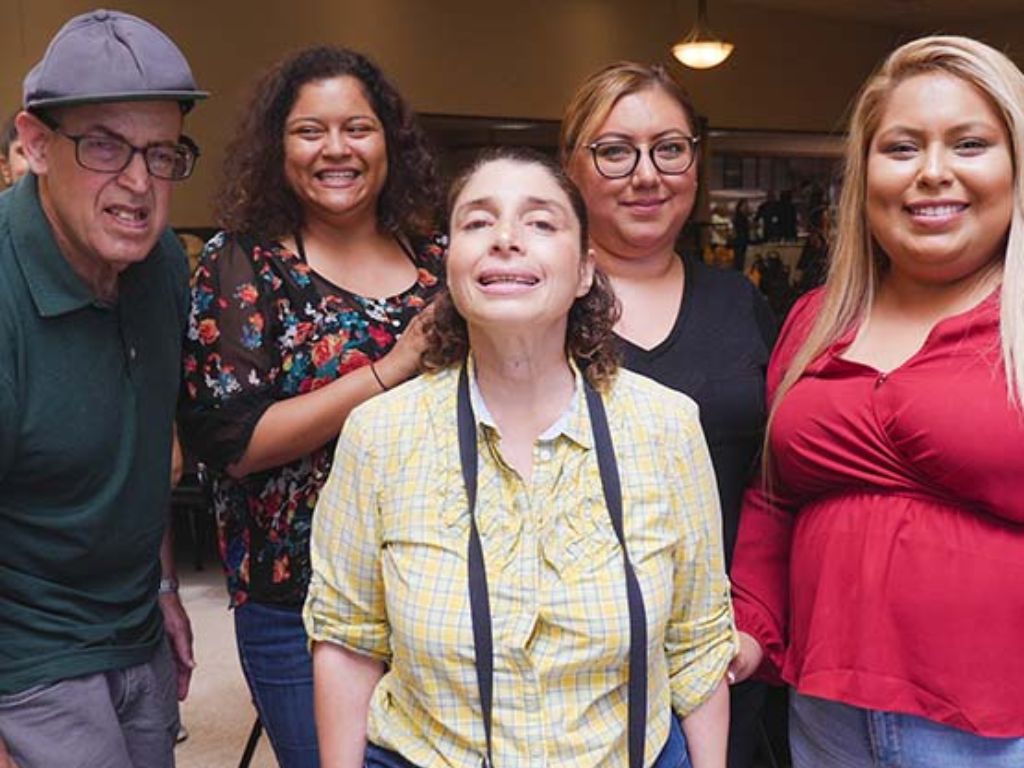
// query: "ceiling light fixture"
[[701, 48]]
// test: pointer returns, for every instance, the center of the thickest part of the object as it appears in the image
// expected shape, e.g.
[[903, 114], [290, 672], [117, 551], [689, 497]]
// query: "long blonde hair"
[[854, 272]]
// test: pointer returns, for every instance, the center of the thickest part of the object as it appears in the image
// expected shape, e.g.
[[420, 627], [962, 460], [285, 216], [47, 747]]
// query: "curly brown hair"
[[589, 340], [254, 196]]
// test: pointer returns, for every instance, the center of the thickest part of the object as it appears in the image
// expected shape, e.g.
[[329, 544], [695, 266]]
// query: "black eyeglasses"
[[617, 159], [112, 154]]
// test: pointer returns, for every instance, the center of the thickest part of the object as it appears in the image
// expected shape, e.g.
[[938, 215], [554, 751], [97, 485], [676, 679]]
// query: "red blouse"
[[886, 570]]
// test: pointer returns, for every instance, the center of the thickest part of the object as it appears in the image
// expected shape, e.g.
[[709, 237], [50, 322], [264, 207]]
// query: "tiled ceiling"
[[894, 12]]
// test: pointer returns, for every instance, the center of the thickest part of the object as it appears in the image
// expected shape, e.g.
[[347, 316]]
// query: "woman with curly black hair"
[[302, 308]]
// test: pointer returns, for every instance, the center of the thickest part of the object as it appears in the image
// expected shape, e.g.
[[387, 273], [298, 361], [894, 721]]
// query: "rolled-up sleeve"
[[345, 603], [700, 639]]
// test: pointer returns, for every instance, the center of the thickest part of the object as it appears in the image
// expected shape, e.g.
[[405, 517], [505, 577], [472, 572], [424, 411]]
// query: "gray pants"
[[124, 718]]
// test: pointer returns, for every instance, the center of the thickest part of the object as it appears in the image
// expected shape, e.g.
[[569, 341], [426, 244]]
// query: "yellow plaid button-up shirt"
[[389, 576]]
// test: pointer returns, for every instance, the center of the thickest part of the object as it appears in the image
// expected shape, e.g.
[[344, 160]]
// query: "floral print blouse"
[[264, 327]]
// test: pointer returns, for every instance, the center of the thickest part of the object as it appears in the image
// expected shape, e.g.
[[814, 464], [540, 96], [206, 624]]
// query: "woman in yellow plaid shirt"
[[517, 558]]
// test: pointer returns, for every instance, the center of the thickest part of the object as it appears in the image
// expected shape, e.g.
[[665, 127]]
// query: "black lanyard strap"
[[637, 615], [479, 600]]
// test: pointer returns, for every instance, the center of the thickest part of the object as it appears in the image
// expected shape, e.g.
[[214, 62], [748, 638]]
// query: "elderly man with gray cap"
[[94, 643]]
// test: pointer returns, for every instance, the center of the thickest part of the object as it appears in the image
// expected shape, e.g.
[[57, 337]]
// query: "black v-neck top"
[[717, 353]]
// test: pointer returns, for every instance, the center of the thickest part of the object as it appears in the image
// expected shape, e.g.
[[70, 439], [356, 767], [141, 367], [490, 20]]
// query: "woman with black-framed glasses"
[[618, 159], [631, 140]]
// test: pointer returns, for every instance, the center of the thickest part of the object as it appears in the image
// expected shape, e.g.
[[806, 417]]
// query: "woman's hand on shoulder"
[[403, 361], [747, 660]]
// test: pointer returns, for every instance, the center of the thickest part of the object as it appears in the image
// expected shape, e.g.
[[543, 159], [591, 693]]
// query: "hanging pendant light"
[[701, 48]]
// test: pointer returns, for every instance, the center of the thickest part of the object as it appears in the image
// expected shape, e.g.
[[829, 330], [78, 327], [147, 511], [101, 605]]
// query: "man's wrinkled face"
[[112, 219]]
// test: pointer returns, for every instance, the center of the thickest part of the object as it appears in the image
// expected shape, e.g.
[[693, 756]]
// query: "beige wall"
[[518, 58]]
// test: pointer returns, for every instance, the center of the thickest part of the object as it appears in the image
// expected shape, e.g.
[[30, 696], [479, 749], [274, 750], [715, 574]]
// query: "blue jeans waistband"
[[673, 754]]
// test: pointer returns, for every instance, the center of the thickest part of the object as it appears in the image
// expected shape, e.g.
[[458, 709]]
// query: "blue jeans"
[[673, 754], [279, 670], [827, 733]]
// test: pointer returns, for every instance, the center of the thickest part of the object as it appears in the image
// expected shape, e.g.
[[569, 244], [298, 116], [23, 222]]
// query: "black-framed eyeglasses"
[[618, 159], [112, 154]]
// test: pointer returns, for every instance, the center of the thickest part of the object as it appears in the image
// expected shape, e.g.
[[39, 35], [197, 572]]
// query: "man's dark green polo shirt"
[[87, 394]]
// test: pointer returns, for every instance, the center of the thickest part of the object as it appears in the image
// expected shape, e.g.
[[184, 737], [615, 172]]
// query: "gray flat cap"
[[110, 56]]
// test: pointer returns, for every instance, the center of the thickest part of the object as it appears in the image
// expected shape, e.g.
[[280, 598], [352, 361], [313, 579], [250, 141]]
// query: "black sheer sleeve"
[[230, 358]]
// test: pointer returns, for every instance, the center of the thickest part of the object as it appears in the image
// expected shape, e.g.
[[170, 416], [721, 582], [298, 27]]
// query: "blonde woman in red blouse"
[[880, 572]]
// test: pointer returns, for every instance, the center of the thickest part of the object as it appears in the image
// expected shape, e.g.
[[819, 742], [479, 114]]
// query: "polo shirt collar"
[[574, 422], [55, 288]]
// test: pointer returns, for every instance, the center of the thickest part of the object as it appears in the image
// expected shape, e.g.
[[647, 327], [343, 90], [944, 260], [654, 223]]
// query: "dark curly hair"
[[254, 196], [589, 337]]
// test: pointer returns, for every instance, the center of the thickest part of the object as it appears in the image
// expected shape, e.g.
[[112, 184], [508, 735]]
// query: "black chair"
[[250, 745], [190, 505]]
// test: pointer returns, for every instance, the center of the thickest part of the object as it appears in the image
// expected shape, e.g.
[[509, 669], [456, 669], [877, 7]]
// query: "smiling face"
[[335, 154], [939, 190], [103, 220], [644, 212], [515, 260]]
